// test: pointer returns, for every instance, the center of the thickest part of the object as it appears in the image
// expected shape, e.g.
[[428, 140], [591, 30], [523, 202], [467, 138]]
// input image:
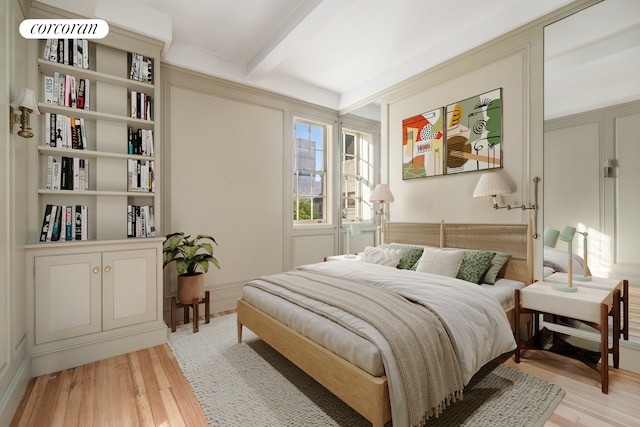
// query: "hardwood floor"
[[147, 388]]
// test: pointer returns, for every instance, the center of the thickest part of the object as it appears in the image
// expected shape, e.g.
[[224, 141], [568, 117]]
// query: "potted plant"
[[190, 256]]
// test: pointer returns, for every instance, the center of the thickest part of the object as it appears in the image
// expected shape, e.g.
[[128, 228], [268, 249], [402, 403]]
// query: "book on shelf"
[[48, 89], [74, 52], [66, 90], [141, 68], [140, 105], [70, 173], [140, 221], [140, 142], [65, 132], [140, 175], [64, 223]]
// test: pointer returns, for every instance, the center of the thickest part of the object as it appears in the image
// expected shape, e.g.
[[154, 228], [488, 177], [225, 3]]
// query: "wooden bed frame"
[[366, 394]]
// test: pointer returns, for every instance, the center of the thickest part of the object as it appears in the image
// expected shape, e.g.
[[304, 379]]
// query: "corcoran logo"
[[64, 29]]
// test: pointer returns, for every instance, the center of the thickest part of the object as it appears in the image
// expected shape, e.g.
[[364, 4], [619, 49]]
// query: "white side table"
[[611, 285], [589, 305]]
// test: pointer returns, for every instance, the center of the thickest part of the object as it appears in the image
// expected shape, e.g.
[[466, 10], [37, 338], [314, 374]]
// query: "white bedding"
[[474, 318]]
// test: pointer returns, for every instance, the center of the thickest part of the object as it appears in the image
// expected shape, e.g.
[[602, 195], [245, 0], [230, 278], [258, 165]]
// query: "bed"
[[371, 386]]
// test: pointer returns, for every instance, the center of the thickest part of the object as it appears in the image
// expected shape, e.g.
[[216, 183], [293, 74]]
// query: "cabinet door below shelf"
[[68, 296], [129, 287]]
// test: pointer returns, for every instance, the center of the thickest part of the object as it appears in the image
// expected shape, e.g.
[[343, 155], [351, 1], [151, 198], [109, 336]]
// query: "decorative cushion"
[[474, 264], [497, 263], [410, 254], [383, 256], [440, 261]]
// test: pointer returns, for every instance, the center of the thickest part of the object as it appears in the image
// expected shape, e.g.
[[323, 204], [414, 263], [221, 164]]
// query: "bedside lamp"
[[583, 277], [354, 229], [382, 195], [551, 237]]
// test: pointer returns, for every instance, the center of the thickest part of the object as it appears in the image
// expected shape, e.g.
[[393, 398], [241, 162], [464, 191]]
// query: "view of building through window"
[[310, 172]]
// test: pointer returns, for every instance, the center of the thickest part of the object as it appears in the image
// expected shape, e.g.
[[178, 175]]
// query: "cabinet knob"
[[107, 268], [96, 270]]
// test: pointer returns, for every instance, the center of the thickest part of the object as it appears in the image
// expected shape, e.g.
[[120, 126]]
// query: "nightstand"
[[590, 305], [342, 258], [606, 284]]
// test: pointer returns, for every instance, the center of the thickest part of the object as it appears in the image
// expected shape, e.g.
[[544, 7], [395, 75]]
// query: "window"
[[310, 172], [357, 176]]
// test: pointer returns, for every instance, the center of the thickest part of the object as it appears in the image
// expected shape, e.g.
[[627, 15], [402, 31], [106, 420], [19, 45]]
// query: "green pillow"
[[410, 254], [474, 265], [497, 263]]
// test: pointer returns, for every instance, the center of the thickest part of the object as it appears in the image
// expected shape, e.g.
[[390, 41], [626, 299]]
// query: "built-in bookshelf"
[[97, 104], [93, 261]]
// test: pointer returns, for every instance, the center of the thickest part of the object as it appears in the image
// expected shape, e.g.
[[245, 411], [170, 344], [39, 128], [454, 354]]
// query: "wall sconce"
[[607, 167], [492, 184], [25, 101], [382, 195]]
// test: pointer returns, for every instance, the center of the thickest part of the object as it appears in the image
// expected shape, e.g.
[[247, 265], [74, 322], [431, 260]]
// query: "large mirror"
[[591, 146]]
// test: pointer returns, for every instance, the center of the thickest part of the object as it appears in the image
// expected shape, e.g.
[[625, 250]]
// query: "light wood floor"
[[147, 388]]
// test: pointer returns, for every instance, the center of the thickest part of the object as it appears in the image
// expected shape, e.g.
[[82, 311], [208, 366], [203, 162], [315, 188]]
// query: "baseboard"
[[12, 395], [69, 357]]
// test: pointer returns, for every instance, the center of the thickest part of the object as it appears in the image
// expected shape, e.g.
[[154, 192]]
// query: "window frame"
[[357, 174], [324, 173]]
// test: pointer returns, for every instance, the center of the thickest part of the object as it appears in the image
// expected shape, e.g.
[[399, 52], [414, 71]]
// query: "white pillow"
[[382, 256], [438, 261]]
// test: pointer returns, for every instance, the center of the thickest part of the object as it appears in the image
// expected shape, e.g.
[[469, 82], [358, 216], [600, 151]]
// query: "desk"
[[589, 305]]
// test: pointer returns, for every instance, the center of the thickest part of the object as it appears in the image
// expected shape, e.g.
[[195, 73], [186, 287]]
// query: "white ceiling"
[[334, 53]]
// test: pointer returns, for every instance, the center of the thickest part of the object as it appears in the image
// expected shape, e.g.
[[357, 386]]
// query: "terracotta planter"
[[190, 287]]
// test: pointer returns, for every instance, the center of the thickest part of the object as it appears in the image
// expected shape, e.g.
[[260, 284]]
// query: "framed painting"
[[423, 145], [474, 133]]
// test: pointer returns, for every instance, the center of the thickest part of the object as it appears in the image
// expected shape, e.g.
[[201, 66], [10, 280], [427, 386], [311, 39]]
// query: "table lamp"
[[551, 237], [584, 277], [354, 229]]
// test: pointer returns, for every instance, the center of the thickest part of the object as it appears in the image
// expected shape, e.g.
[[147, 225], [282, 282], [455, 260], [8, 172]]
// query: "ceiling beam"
[[303, 23]]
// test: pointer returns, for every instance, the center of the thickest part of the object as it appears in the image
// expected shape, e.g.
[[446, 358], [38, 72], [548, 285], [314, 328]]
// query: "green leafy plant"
[[189, 254]]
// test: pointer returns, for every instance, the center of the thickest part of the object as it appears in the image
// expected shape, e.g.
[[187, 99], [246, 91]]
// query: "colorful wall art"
[[474, 133], [423, 151]]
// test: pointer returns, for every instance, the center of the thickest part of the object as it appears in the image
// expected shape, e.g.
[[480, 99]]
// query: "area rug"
[[250, 384]]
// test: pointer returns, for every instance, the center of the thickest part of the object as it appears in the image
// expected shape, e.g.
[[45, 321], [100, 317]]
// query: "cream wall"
[[226, 172]]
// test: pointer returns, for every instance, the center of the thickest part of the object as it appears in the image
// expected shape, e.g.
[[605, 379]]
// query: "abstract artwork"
[[474, 133], [423, 145]]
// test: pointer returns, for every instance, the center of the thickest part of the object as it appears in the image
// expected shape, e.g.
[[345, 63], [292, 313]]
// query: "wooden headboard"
[[514, 239]]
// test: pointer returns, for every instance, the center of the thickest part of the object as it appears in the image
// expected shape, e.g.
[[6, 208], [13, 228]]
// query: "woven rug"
[[250, 384]]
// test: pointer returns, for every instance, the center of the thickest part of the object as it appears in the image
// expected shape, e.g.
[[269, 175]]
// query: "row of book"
[[140, 175], [73, 52], [141, 142], [65, 132], [67, 91], [70, 173], [140, 105], [140, 221], [64, 223], [141, 68]]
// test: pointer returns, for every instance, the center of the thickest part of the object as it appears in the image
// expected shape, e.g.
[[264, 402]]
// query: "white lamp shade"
[[551, 237], [567, 233], [354, 229], [491, 184], [26, 99], [382, 194]]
